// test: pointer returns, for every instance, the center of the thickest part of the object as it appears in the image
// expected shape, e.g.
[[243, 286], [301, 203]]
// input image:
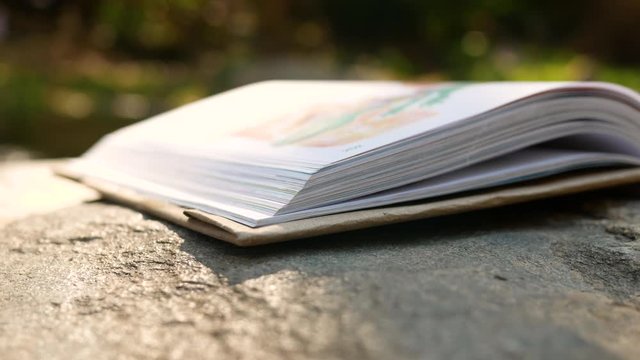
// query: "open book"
[[278, 151]]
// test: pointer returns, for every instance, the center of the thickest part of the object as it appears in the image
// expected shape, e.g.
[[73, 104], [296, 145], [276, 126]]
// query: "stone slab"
[[551, 279]]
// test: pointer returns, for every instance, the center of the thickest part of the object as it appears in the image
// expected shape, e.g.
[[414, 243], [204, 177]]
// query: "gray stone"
[[552, 279]]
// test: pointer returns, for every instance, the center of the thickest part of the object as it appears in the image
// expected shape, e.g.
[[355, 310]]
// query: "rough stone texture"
[[553, 279]]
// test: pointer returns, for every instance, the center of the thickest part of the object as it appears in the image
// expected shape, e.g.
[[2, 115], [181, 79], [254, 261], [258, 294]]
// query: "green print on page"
[[383, 109]]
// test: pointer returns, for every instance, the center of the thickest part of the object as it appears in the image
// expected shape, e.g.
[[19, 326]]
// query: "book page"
[[320, 122]]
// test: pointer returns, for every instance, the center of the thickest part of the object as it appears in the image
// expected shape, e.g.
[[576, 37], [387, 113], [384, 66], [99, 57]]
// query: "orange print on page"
[[367, 125]]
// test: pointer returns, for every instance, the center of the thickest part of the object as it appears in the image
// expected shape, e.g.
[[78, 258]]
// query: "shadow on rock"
[[457, 240]]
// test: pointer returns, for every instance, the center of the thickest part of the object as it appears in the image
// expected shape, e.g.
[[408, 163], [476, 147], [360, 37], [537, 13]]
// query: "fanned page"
[[285, 150]]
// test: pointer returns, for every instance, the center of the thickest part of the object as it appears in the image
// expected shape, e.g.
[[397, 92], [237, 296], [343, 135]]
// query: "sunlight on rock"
[[31, 188], [286, 286]]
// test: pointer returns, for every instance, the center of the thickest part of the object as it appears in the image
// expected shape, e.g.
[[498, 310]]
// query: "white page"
[[222, 125]]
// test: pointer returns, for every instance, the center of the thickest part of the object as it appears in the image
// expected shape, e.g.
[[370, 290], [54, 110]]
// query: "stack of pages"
[[279, 151]]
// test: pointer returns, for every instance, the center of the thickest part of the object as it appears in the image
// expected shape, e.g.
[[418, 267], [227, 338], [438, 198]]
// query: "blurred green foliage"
[[73, 70]]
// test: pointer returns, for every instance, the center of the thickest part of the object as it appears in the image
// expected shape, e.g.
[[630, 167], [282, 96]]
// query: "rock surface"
[[552, 279], [30, 187]]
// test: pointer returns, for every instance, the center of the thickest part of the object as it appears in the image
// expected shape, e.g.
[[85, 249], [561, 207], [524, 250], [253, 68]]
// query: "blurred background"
[[71, 71]]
